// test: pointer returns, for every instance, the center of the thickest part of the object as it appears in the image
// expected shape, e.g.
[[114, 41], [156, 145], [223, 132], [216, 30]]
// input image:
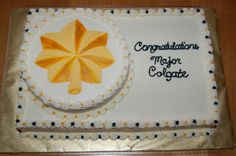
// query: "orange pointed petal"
[[90, 71], [99, 55], [67, 39], [59, 72], [92, 39], [49, 57]]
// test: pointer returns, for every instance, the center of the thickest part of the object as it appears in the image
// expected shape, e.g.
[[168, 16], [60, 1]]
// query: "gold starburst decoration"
[[74, 54]]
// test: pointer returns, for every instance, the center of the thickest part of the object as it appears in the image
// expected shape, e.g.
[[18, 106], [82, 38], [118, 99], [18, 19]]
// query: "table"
[[226, 17]]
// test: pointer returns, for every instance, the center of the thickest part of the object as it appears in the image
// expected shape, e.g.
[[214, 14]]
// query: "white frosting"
[[113, 77], [180, 102]]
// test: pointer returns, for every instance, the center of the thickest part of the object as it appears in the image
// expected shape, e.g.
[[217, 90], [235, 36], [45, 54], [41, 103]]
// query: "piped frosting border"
[[118, 135]]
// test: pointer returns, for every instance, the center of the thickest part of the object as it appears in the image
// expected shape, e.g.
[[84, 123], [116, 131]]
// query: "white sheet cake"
[[116, 73]]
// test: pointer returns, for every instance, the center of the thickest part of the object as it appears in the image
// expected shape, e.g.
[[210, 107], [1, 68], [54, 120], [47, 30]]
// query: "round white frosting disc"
[[56, 94]]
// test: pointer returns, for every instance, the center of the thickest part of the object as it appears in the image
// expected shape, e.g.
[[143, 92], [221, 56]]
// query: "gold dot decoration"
[[35, 99], [186, 122], [62, 124], [93, 103]]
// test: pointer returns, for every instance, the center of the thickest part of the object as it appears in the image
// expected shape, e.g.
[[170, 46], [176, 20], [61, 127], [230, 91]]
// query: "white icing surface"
[[113, 77], [179, 98], [154, 99], [89, 90]]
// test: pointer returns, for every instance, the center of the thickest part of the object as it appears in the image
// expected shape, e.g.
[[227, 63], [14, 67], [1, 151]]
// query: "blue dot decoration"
[[34, 123], [99, 136], [72, 124]]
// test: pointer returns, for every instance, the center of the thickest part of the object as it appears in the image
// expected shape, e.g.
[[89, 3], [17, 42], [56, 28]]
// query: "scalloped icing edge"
[[119, 135], [209, 57]]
